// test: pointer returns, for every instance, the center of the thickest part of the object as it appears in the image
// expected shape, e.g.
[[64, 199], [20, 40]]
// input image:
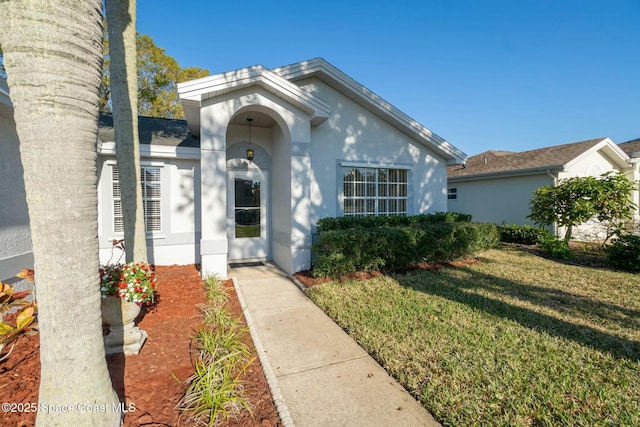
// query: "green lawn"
[[512, 340]]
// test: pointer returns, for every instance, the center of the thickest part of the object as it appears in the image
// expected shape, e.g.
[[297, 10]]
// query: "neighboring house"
[[321, 145], [632, 148], [15, 236], [497, 186]]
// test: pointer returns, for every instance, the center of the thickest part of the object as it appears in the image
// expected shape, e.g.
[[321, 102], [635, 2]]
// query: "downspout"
[[634, 162], [555, 184]]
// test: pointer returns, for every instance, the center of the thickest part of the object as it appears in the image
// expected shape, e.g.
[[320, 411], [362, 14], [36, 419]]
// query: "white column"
[[213, 207]]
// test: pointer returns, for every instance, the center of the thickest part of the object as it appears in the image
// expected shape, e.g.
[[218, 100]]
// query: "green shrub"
[[624, 252], [438, 217], [523, 234], [342, 251], [555, 247], [346, 222]]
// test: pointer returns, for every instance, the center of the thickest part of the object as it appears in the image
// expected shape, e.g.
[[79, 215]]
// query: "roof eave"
[[153, 151], [607, 148]]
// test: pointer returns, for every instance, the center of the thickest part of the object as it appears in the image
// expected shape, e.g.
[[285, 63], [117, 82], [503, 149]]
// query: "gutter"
[[154, 151], [505, 174]]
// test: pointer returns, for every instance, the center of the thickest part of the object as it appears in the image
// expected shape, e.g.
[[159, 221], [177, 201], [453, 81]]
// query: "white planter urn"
[[124, 336]]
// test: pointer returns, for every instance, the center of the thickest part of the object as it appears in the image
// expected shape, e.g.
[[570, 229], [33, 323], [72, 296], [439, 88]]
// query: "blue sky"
[[486, 74]]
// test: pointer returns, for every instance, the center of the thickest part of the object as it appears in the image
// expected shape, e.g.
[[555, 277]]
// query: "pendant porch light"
[[250, 152]]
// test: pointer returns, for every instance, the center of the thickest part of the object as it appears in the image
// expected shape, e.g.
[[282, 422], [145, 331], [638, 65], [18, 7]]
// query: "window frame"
[[375, 190], [155, 198], [452, 193]]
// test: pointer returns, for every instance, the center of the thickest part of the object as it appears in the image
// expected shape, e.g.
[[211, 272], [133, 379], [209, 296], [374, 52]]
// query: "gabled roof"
[[360, 94], [553, 159], [152, 130], [281, 81], [632, 148]]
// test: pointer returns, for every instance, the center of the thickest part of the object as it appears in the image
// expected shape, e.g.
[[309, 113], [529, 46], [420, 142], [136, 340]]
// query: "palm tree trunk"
[[52, 52], [121, 16]]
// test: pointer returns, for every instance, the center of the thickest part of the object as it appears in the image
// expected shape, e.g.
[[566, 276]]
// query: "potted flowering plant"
[[125, 288], [133, 282]]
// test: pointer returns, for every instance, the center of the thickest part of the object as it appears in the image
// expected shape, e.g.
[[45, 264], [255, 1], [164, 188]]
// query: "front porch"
[[259, 208]]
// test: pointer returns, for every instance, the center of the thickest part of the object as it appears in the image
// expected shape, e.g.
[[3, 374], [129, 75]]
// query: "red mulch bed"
[[306, 278], [147, 380]]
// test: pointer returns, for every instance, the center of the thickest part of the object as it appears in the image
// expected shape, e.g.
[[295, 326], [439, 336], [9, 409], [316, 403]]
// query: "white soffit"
[[193, 92], [335, 78]]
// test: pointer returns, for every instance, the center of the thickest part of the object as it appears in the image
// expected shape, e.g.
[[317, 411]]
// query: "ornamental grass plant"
[[215, 391]]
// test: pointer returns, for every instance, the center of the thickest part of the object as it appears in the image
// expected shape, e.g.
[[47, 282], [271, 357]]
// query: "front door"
[[247, 218]]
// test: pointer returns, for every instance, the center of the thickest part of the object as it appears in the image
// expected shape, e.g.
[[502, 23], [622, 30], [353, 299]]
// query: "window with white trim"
[[371, 191], [151, 199], [452, 193]]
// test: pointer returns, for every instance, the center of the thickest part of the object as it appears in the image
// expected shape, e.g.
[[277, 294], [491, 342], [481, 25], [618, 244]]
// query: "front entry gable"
[[194, 93]]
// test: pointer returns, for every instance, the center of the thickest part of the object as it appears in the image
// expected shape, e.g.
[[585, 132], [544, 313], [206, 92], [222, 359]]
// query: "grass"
[[513, 340], [247, 230], [215, 390]]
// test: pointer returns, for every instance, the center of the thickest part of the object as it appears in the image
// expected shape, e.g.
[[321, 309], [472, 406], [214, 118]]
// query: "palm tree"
[[121, 15], [52, 52]]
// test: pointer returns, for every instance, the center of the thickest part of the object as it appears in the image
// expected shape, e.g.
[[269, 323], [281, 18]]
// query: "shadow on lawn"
[[462, 288]]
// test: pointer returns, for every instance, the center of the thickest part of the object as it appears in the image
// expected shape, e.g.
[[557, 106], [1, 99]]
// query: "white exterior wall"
[[281, 196], [354, 134], [634, 176], [178, 242], [593, 165], [15, 235], [498, 200]]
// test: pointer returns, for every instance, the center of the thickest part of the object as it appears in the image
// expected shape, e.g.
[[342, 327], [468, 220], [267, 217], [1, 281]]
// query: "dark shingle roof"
[[632, 148], [506, 161], [152, 130]]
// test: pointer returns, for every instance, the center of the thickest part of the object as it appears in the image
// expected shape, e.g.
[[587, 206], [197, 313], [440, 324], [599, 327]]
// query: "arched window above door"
[[237, 157]]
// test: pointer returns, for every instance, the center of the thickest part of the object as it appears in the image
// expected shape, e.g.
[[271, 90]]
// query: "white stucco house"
[[321, 145], [15, 237], [496, 186], [632, 149]]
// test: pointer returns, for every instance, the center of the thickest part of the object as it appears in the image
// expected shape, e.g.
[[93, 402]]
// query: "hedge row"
[[523, 234], [342, 251], [347, 222]]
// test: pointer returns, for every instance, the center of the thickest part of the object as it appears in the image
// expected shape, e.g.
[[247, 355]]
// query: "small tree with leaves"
[[579, 199], [157, 78], [613, 203]]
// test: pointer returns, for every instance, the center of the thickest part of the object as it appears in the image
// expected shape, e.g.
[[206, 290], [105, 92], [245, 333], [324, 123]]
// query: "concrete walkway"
[[318, 375]]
